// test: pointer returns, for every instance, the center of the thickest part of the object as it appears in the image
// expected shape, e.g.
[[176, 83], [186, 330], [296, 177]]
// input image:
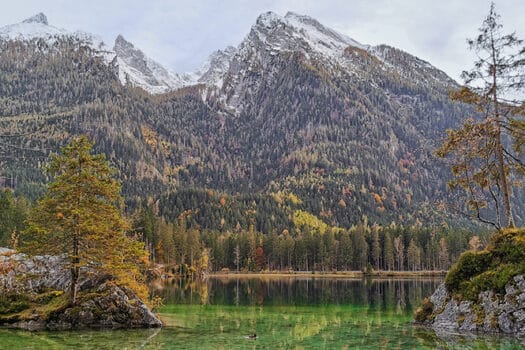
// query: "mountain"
[[133, 65], [213, 70], [37, 27], [297, 121], [348, 128], [143, 72]]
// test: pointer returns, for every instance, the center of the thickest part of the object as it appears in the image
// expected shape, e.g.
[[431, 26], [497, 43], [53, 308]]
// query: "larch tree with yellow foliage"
[[80, 216]]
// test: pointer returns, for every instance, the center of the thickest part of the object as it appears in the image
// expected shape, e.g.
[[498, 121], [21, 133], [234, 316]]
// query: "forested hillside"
[[289, 129]]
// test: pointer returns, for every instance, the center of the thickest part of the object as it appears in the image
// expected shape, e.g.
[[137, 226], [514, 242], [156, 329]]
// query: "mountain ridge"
[[296, 109]]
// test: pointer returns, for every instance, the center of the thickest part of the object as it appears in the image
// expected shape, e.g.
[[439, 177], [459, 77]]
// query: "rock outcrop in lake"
[[484, 291], [33, 297], [491, 313]]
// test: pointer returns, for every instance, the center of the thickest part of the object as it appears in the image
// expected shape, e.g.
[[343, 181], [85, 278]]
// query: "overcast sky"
[[180, 34]]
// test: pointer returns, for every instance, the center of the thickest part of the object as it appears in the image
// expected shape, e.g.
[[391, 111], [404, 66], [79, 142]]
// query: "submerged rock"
[[491, 313], [37, 288]]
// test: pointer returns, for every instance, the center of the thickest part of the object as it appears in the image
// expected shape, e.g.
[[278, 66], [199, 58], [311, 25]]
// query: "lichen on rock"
[[491, 313]]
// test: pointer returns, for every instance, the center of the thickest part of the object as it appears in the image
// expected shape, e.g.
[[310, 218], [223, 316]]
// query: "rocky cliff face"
[[21, 274], [491, 313], [39, 284], [139, 70]]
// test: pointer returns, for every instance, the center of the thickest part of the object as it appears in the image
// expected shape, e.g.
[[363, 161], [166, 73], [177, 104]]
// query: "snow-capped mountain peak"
[[140, 70], [316, 30], [294, 32], [212, 71], [38, 18], [33, 27], [268, 19], [38, 27], [133, 65]]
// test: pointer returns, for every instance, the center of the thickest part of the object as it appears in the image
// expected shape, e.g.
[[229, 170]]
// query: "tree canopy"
[[484, 163], [80, 216]]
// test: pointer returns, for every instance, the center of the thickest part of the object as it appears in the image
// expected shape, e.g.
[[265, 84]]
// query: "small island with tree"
[[485, 290], [81, 268]]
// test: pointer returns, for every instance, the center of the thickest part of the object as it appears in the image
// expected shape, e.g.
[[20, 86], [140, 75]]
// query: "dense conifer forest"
[[312, 168]]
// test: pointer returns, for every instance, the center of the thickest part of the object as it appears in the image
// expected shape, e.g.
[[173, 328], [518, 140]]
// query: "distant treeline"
[[307, 245], [310, 247]]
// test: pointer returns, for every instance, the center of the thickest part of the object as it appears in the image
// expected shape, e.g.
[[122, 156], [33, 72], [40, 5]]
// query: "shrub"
[[509, 246], [469, 265], [491, 269]]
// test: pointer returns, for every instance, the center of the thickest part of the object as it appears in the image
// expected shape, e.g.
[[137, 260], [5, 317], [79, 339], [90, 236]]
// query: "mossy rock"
[[14, 303], [491, 269], [469, 265], [424, 312]]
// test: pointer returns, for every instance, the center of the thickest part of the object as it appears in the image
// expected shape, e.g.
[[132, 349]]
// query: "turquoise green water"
[[285, 314]]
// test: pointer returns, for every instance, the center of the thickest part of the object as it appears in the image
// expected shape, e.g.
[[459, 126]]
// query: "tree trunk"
[[75, 270], [499, 146], [74, 284], [504, 183]]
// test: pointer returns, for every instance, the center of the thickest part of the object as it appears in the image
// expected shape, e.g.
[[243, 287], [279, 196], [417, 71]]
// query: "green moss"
[[54, 306], [509, 247], [480, 313], [469, 265], [24, 307], [491, 269], [46, 298], [424, 312], [97, 312], [14, 303]]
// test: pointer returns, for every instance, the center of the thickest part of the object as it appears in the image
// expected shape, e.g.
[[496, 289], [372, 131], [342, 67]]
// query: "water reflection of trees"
[[375, 295]]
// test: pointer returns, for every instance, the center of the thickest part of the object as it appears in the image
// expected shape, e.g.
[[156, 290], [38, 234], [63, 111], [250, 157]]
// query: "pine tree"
[[444, 256], [413, 256], [361, 249], [389, 252], [483, 164], [13, 212], [79, 216], [376, 248]]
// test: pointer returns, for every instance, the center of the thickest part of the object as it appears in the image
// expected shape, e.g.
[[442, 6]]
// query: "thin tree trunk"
[[499, 146], [74, 283], [75, 260], [74, 271]]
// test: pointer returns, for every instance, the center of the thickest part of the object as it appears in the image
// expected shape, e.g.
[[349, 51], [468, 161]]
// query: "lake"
[[285, 313]]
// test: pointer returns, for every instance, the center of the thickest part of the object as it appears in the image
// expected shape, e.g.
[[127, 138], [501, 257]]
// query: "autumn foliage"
[[80, 216]]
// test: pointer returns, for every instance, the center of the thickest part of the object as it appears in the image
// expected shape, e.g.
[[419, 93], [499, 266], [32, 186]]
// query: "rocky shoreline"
[[34, 297], [490, 313]]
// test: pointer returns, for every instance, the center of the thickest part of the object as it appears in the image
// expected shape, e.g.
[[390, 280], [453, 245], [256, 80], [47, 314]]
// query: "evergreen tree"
[[413, 256], [444, 257], [361, 249], [389, 252], [483, 164], [13, 212], [79, 216], [376, 247]]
